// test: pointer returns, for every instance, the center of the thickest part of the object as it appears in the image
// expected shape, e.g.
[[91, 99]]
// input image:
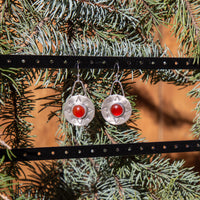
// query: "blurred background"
[[166, 113]]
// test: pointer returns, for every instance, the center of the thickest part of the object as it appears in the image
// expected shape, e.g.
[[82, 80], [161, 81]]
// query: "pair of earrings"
[[79, 109]]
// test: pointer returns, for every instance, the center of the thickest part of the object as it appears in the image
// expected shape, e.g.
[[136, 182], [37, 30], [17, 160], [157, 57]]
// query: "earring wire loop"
[[116, 66], [117, 80], [78, 71], [78, 81]]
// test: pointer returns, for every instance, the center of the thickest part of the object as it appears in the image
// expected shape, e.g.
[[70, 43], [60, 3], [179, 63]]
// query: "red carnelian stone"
[[78, 111], [116, 110]]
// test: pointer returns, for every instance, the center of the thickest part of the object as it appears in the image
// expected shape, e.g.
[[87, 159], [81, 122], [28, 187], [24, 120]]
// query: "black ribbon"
[[67, 152], [43, 61]]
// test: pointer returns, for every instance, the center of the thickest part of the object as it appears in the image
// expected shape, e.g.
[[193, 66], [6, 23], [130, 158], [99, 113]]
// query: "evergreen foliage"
[[98, 28]]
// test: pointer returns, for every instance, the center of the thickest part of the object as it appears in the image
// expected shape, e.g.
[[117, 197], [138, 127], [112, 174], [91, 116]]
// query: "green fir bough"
[[92, 28]]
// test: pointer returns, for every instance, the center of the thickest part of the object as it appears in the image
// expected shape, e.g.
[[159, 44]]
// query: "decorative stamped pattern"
[[79, 110], [116, 109]]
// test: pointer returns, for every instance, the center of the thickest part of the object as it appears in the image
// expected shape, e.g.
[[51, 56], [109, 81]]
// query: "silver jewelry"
[[78, 109], [116, 109]]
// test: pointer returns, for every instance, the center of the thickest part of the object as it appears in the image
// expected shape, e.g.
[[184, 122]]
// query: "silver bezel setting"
[[116, 99], [79, 100]]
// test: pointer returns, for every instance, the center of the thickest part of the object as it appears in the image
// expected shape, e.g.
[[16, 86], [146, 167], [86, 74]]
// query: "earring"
[[78, 109], [116, 109]]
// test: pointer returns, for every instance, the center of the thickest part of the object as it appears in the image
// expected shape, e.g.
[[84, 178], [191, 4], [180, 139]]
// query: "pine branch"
[[195, 24], [148, 9], [121, 191], [177, 77], [164, 178], [195, 92], [110, 138], [154, 197], [109, 7], [96, 166], [34, 32], [186, 27]]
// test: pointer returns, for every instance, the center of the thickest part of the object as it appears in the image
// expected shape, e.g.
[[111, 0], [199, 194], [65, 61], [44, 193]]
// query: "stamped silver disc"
[[117, 116], [79, 110]]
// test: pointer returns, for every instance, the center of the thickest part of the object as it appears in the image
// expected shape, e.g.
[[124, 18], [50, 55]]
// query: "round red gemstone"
[[78, 111], [117, 110]]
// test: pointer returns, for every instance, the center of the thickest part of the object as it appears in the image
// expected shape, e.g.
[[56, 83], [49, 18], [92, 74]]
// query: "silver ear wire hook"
[[117, 80], [116, 66], [78, 73], [78, 81]]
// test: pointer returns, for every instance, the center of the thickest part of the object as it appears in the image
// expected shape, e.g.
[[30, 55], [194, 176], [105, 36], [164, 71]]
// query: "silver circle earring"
[[116, 109], [78, 109]]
